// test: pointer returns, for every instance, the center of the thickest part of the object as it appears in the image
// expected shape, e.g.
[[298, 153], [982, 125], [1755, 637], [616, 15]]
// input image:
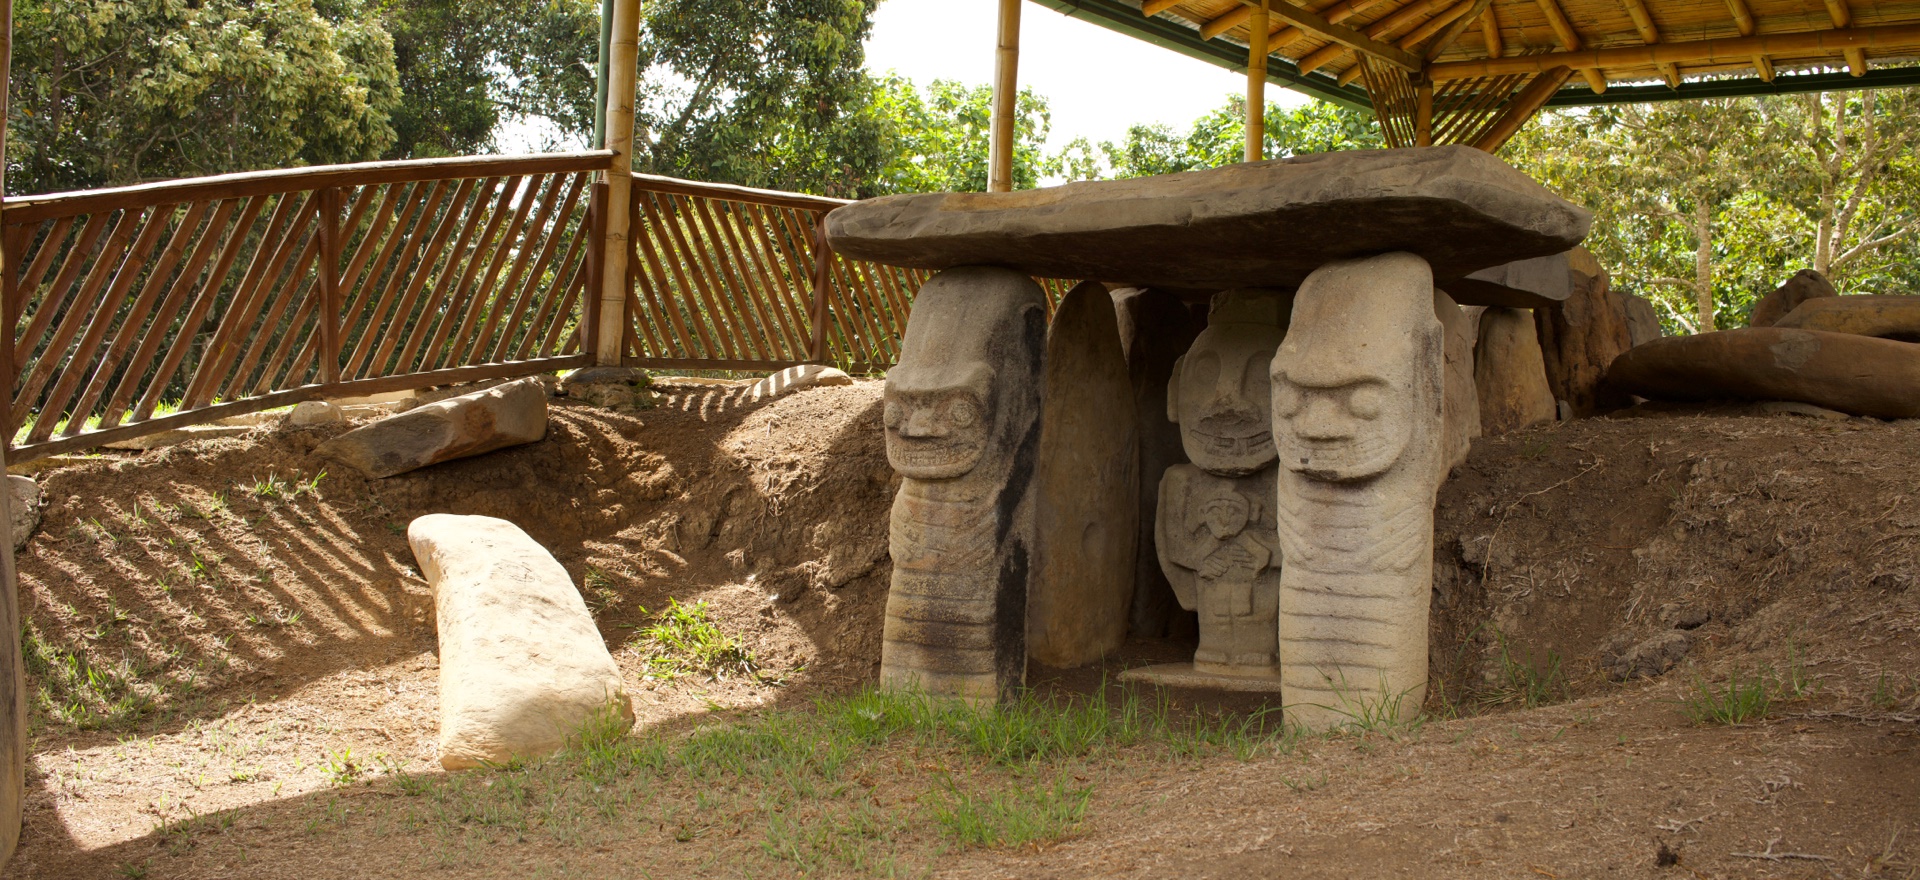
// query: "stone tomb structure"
[[1313, 408]]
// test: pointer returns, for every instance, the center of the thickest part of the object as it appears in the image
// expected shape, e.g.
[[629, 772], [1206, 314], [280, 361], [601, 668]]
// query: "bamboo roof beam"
[[1345, 36], [1842, 18], [1280, 32], [1393, 21], [1735, 50], [1490, 26], [1458, 26], [1650, 34], [1525, 104], [1570, 41], [1419, 35], [1743, 19], [1152, 8]]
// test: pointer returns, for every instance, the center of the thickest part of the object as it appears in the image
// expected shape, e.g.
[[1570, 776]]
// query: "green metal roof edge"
[[1120, 17], [1783, 84]]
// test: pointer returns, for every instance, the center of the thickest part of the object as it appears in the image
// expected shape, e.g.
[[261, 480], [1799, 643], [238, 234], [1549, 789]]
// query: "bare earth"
[[233, 670]]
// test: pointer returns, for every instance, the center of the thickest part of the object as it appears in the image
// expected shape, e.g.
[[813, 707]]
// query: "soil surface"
[[226, 631]]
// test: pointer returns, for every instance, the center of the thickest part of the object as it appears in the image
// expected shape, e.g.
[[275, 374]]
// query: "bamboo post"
[[1422, 111], [822, 261], [596, 268], [13, 682], [1006, 99], [329, 287], [609, 325], [1257, 82]]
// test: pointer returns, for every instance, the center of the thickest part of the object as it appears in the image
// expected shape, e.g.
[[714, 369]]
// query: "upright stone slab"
[[1643, 323], [1088, 487], [962, 417], [471, 424], [1156, 328], [1509, 374], [1462, 406], [1214, 529], [1580, 337], [1804, 286], [1358, 391], [522, 665]]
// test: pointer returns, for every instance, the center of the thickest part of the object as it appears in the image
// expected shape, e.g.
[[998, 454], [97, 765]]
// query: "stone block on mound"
[[797, 378], [1805, 285], [458, 427], [1247, 225], [522, 665], [1887, 317], [1853, 374]]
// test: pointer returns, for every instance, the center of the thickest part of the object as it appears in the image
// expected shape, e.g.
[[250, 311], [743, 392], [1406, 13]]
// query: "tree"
[[936, 141], [1219, 138], [119, 91]]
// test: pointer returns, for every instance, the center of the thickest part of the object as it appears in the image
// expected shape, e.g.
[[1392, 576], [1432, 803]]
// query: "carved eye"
[[962, 414], [894, 414], [1286, 398], [1366, 402]]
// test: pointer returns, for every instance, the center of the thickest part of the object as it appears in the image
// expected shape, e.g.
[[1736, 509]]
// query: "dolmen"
[[1312, 410]]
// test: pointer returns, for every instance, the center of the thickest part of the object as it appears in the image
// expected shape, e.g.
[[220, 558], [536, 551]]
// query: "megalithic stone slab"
[[522, 665], [505, 415], [1156, 328], [1805, 285], [1252, 224], [1462, 409], [962, 416], [1358, 390], [1643, 323], [1580, 337], [1861, 375], [1088, 487], [1509, 374], [1521, 284], [1887, 317]]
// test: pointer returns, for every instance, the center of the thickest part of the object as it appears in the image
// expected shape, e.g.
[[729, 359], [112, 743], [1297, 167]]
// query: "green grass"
[[1519, 682], [275, 487], [683, 639], [1751, 697]]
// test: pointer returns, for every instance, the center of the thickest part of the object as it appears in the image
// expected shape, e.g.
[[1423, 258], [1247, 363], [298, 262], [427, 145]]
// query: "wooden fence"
[[139, 309]]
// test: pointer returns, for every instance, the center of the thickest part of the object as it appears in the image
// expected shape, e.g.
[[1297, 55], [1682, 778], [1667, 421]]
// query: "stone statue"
[[962, 419], [1358, 391], [1215, 529]]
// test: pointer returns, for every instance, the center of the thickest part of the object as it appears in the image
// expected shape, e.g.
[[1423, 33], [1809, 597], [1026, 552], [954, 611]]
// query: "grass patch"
[[683, 639], [1741, 699], [1519, 682]]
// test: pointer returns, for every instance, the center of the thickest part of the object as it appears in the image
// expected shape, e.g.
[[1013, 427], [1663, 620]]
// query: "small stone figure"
[[1357, 406], [1215, 530], [962, 419]]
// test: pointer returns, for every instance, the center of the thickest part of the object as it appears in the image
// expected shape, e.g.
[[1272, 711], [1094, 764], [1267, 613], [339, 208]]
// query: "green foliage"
[[1737, 701], [1219, 138], [115, 92], [683, 639], [1015, 817], [936, 140]]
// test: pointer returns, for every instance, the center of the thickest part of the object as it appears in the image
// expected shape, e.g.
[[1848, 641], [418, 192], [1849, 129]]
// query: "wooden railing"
[[224, 295]]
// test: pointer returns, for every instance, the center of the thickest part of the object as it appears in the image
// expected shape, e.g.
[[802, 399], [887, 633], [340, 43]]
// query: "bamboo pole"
[[1006, 99], [1735, 50], [1525, 104], [1257, 82], [622, 63], [1422, 112], [13, 681]]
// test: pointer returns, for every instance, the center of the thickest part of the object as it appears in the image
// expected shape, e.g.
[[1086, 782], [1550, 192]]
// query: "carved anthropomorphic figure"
[[1357, 408], [962, 420], [1214, 530]]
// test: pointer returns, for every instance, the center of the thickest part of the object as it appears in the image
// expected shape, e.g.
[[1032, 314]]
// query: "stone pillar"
[[1580, 337], [1087, 490], [1510, 375], [1214, 528], [1156, 328], [1462, 408], [962, 419], [1358, 395]]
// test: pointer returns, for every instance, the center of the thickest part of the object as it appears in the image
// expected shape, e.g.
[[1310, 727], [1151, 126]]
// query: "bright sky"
[[1097, 82]]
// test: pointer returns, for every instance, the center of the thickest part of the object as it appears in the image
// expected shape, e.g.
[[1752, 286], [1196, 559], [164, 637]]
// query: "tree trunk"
[[1703, 263]]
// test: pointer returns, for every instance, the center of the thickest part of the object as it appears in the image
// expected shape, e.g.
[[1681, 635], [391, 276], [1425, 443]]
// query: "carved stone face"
[[1225, 516], [938, 425], [1220, 394], [1339, 427]]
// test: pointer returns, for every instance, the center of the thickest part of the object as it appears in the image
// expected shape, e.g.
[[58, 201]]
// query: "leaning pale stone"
[[794, 379], [522, 665], [504, 415], [315, 412]]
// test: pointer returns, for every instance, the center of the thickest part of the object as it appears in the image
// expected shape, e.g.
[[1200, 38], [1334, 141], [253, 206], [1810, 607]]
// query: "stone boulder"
[[1254, 224], [797, 378], [1156, 328], [1805, 285], [1509, 373], [1519, 284], [1087, 488], [26, 502], [1887, 317], [522, 665], [310, 413], [1460, 407], [1580, 337], [1853, 374], [483, 421], [1643, 323]]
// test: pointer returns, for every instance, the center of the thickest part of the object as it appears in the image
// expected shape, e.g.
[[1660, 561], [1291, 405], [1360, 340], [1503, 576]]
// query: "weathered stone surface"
[[1156, 328], [1887, 317], [1579, 338], [1643, 323], [1649, 658], [315, 412], [1252, 224], [1522, 284], [1796, 408], [522, 664], [1805, 285], [1358, 390], [798, 378], [962, 417], [458, 427], [1853, 374], [1461, 407], [26, 503], [623, 389], [1509, 373], [1214, 528], [1087, 490]]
